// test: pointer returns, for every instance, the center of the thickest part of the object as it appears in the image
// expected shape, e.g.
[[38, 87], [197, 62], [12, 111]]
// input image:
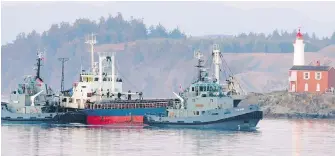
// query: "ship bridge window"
[[96, 79], [83, 86], [207, 88], [201, 88], [104, 79], [192, 89]]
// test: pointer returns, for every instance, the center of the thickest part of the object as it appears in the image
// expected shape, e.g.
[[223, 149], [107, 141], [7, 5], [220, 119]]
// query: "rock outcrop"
[[294, 105]]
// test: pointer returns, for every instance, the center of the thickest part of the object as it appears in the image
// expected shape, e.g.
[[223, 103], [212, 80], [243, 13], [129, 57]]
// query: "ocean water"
[[273, 137]]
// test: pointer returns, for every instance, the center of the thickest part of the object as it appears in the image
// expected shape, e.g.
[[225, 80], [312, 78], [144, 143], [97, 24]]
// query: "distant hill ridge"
[[153, 59]]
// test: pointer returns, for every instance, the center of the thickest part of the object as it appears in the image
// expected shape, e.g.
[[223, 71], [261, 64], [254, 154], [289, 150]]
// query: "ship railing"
[[126, 105], [104, 101]]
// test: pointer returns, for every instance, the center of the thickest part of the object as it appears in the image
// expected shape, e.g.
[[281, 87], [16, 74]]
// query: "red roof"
[[299, 35], [311, 68]]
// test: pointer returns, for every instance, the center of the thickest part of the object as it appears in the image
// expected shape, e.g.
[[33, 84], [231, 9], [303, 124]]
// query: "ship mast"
[[217, 61], [91, 40], [39, 59], [113, 72], [62, 60], [101, 58], [199, 56]]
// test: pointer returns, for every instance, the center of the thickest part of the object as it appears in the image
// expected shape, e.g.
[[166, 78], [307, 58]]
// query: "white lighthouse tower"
[[299, 50]]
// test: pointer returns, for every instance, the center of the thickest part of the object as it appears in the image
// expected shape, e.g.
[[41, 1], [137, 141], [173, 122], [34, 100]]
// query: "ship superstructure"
[[99, 95], [207, 103], [99, 82], [32, 102]]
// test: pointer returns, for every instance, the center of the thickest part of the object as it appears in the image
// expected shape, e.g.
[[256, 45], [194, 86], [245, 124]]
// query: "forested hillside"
[[152, 43]]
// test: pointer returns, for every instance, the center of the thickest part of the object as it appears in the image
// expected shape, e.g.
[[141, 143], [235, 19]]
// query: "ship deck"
[[137, 101]]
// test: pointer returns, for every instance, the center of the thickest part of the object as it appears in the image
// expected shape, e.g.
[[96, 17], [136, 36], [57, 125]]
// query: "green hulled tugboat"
[[33, 102], [208, 104]]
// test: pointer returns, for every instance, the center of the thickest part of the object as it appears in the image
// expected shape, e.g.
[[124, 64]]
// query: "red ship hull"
[[123, 112], [108, 120]]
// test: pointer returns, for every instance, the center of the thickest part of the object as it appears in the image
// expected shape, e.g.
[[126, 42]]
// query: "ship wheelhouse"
[[90, 89], [205, 89]]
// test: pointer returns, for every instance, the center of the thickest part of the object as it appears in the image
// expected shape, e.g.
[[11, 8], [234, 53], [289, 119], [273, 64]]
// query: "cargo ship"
[[124, 112], [99, 95]]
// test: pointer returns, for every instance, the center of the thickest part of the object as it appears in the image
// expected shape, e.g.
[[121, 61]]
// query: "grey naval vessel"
[[34, 102], [207, 104]]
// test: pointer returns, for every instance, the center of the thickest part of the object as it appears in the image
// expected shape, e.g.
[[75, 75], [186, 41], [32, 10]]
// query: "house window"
[[306, 87], [318, 87], [306, 75], [318, 75]]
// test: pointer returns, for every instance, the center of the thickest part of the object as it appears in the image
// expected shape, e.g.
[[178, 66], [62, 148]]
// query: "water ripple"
[[274, 137]]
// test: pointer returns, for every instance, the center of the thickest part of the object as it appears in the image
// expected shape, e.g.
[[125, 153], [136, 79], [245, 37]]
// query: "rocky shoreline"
[[298, 116], [282, 104]]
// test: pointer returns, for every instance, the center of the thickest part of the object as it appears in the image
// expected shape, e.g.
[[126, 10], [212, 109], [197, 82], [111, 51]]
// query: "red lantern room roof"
[[299, 35]]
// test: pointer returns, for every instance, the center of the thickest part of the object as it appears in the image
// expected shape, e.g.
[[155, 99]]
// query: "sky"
[[194, 18]]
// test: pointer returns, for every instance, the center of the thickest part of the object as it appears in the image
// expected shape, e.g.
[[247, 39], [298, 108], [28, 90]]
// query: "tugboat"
[[207, 104], [99, 95], [32, 102]]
